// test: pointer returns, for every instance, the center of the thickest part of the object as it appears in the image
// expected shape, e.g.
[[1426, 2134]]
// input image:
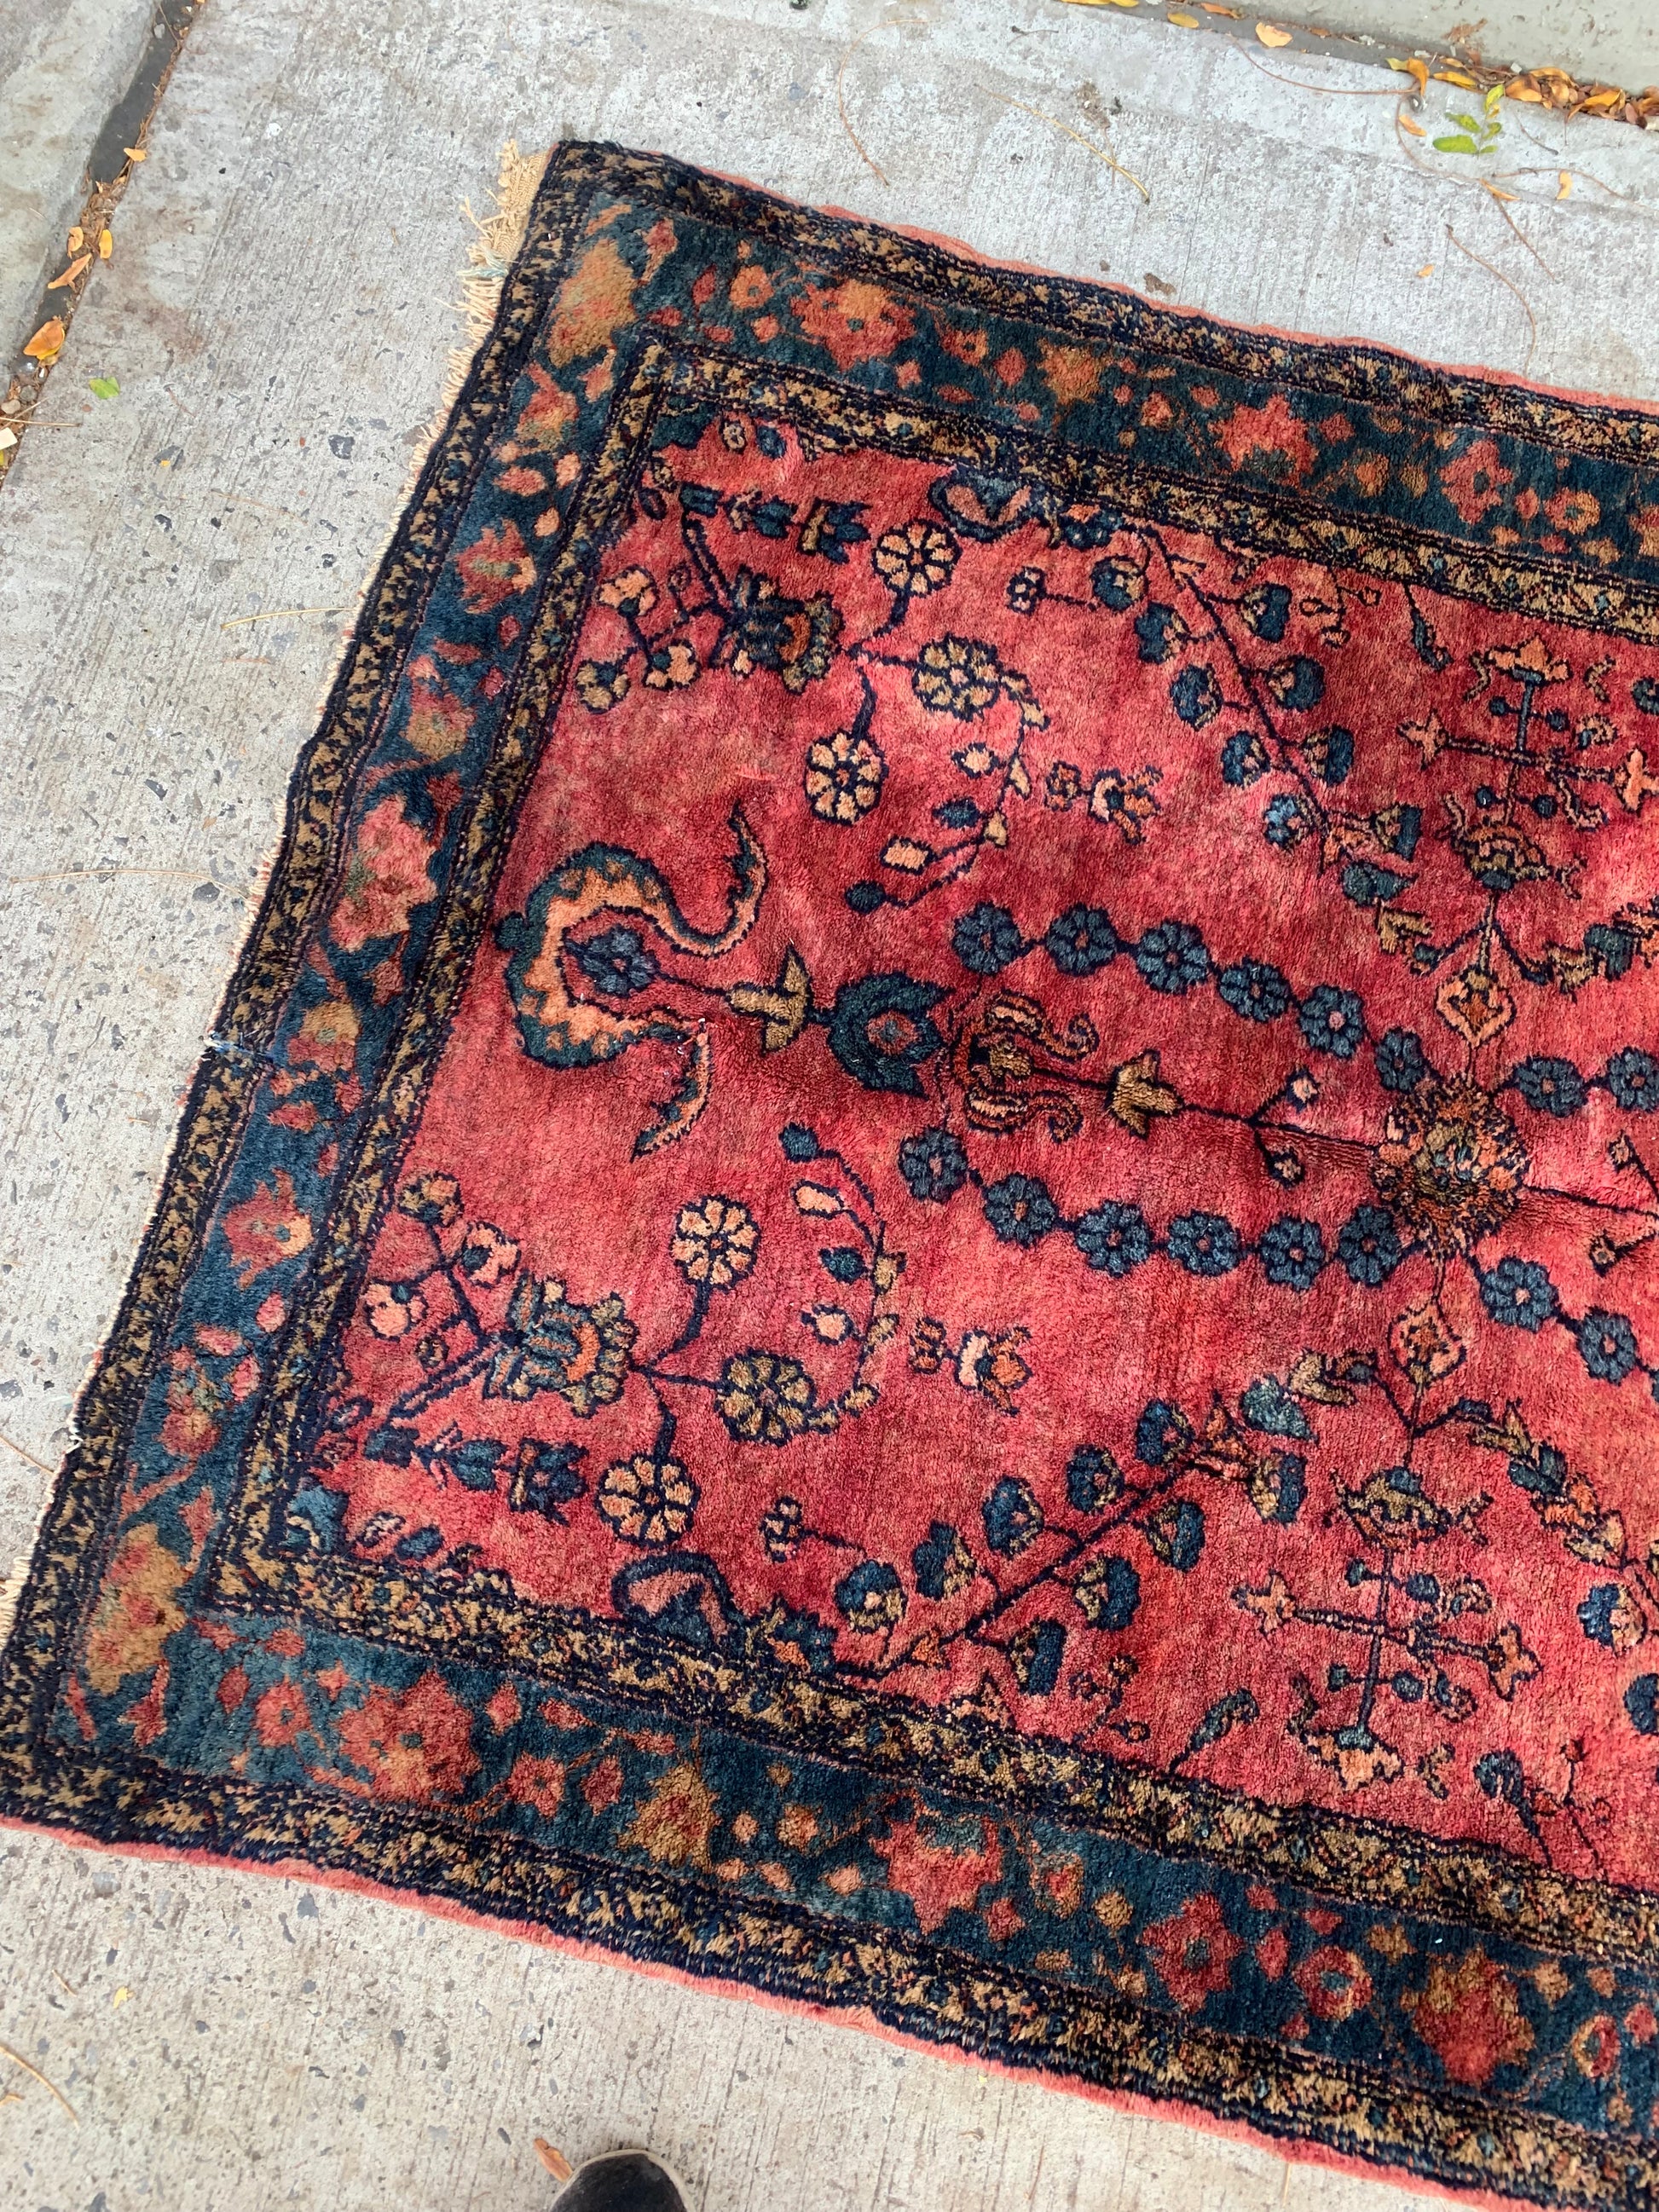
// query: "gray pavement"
[[175, 575]]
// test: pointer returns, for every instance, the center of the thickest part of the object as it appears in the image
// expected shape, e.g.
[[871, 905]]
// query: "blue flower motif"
[[1161, 1432], [1172, 958], [1108, 1592], [1298, 683], [1402, 1062], [1292, 1253], [811, 1639], [1330, 753], [986, 938], [1267, 609], [1332, 1020], [1519, 1294], [1605, 1616], [1083, 528], [1645, 693], [1204, 1244], [1176, 1533], [1607, 1345], [933, 1164], [1369, 1247], [1114, 1238], [1012, 1517], [943, 1563], [1642, 1698], [882, 1030], [870, 1597], [1244, 758], [1550, 1086], [1196, 696], [619, 962], [1284, 821], [1081, 941], [1035, 1655], [799, 1142], [1093, 1479], [1633, 1078], [1157, 626], [1020, 1210], [1255, 989]]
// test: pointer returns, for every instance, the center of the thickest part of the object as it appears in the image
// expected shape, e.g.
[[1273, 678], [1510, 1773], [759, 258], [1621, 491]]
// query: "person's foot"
[[623, 2181]]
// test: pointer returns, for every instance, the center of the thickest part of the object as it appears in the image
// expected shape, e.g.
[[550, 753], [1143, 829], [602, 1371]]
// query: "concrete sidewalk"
[[175, 575]]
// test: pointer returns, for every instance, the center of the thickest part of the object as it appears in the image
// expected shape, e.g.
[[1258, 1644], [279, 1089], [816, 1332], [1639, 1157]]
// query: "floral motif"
[[844, 777]]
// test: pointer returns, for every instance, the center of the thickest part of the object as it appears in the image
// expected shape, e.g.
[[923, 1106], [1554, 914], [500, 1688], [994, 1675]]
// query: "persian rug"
[[917, 1265]]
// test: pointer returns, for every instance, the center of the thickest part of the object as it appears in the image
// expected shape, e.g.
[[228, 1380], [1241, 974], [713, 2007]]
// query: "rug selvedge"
[[209, 1654]]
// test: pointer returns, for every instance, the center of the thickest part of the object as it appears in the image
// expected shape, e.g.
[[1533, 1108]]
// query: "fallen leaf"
[[106, 245], [77, 239], [1417, 71], [103, 388], [1520, 88], [1416, 129], [1271, 35], [1187, 22], [47, 343], [8, 440], [554, 2161], [1215, 7], [1566, 184], [121, 1997], [1496, 193], [1427, 270], [78, 267], [135, 153], [1456, 76]]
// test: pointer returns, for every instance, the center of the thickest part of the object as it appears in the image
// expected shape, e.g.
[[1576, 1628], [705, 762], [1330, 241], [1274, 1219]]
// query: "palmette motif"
[[923, 1275]]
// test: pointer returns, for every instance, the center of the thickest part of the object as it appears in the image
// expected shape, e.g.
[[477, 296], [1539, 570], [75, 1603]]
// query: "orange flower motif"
[[674, 1824], [281, 1717], [1476, 480], [1471, 2018], [137, 1610], [266, 1227], [939, 1877], [1193, 1951], [386, 876], [1271, 438], [1334, 1983], [495, 566], [538, 1782], [415, 1744], [854, 320]]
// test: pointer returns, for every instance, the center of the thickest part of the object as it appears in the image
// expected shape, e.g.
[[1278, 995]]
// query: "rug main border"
[[1106, 2042]]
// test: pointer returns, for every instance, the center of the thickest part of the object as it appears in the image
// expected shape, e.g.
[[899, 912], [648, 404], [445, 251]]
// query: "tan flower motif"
[[844, 777], [715, 1241], [1531, 662], [674, 1824], [917, 560], [391, 1310], [633, 591], [646, 1500]]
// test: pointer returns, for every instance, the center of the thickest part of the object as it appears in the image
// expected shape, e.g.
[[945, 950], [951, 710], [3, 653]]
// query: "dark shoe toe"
[[623, 2181]]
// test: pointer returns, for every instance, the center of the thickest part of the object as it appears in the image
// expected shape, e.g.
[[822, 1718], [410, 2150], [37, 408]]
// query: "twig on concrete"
[[1532, 319], [859, 146], [1088, 144], [12, 1446], [1497, 199], [1328, 91], [275, 614], [17, 2059]]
